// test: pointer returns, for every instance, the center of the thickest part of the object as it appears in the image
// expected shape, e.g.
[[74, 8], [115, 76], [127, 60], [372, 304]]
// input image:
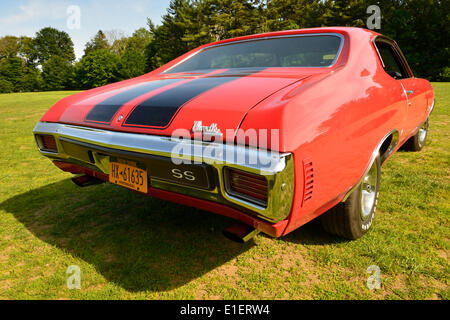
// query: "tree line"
[[47, 61]]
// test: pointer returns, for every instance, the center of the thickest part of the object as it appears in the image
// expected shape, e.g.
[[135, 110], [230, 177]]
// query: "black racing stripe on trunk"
[[105, 110], [159, 110]]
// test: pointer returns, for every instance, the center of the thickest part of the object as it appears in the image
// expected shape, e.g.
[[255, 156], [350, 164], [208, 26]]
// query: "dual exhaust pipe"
[[240, 233]]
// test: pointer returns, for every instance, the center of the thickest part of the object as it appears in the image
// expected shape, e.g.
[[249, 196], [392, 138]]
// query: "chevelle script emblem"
[[211, 130]]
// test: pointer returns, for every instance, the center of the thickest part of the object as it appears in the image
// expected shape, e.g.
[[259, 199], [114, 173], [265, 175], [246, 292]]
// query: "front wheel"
[[353, 218], [417, 141]]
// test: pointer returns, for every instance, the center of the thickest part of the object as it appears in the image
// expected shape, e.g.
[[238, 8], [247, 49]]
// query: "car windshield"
[[295, 51]]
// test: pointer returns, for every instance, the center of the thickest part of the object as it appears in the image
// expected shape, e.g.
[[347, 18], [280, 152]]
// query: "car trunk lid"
[[160, 105]]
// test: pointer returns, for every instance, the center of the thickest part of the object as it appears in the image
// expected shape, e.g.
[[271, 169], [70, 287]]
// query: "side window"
[[391, 61]]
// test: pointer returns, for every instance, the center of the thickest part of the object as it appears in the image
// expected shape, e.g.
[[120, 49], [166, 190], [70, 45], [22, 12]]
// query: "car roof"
[[342, 30]]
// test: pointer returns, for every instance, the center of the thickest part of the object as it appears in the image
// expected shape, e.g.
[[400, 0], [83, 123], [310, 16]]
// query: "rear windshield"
[[298, 51]]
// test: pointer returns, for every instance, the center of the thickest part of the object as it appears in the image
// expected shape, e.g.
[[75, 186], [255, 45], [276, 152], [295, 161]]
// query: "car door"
[[396, 66]]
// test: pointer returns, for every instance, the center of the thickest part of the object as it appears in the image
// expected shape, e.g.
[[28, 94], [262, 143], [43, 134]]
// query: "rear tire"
[[417, 141], [353, 218]]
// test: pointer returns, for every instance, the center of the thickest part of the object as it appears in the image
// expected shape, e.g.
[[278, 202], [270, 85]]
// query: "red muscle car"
[[271, 129]]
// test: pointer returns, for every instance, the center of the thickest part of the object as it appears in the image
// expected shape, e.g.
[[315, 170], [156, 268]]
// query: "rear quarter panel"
[[334, 121]]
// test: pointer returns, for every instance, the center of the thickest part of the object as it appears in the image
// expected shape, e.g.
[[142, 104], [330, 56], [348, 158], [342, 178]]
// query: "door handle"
[[409, 92]]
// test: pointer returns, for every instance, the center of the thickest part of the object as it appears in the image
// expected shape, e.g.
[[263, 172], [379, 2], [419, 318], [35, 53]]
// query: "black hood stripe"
[[105, 110], [159, 110]]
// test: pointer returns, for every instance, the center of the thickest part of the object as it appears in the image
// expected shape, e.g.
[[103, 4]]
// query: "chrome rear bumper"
[[94, 148]]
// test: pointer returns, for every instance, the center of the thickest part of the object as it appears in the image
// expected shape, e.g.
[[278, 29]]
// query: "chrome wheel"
[[352, 218], [417, 141], [422, 134], [369, 191]]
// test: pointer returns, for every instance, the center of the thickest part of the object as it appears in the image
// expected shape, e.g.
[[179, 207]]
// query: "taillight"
[[247, 186], [46, 143]]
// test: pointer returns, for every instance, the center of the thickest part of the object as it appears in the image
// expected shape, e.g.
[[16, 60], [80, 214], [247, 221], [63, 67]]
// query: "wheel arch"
[[385, 148]]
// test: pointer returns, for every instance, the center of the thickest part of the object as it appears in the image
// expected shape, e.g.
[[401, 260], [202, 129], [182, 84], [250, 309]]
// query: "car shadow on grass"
[[312, 233], [136, 242]]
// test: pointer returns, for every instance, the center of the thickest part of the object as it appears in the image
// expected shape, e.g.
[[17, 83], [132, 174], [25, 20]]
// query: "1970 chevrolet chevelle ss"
[[272, 129]]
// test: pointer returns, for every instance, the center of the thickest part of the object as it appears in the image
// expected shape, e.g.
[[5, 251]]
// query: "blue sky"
[[26, 17]]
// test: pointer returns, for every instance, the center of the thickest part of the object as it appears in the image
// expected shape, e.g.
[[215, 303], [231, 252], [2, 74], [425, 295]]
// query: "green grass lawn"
[[130, 246]]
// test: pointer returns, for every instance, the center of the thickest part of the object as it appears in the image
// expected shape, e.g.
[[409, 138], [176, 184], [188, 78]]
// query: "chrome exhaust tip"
[[240, 233]]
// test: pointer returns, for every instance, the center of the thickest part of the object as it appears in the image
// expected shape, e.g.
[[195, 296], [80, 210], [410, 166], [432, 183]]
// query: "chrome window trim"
[[397, 52], [279, 172], [338, 54]]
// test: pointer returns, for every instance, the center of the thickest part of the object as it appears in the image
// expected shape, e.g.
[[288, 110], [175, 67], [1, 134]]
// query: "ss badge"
[[179, 174]]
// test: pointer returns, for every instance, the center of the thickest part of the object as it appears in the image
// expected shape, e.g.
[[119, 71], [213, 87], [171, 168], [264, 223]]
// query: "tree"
[[96, 69], [6, 86], [131, 48], [119, 46], [22, 77], [51, 42], [233, 18], [350, 13], [139, 40], [58, 74], [99, 42], [294, 14], [191, 23], [132, 64], [16, 71], [11, 46], [167, 38], [114, 35], [31, 79]]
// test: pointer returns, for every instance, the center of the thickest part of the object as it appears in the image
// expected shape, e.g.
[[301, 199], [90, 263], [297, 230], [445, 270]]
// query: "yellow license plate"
[[128, 175]]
